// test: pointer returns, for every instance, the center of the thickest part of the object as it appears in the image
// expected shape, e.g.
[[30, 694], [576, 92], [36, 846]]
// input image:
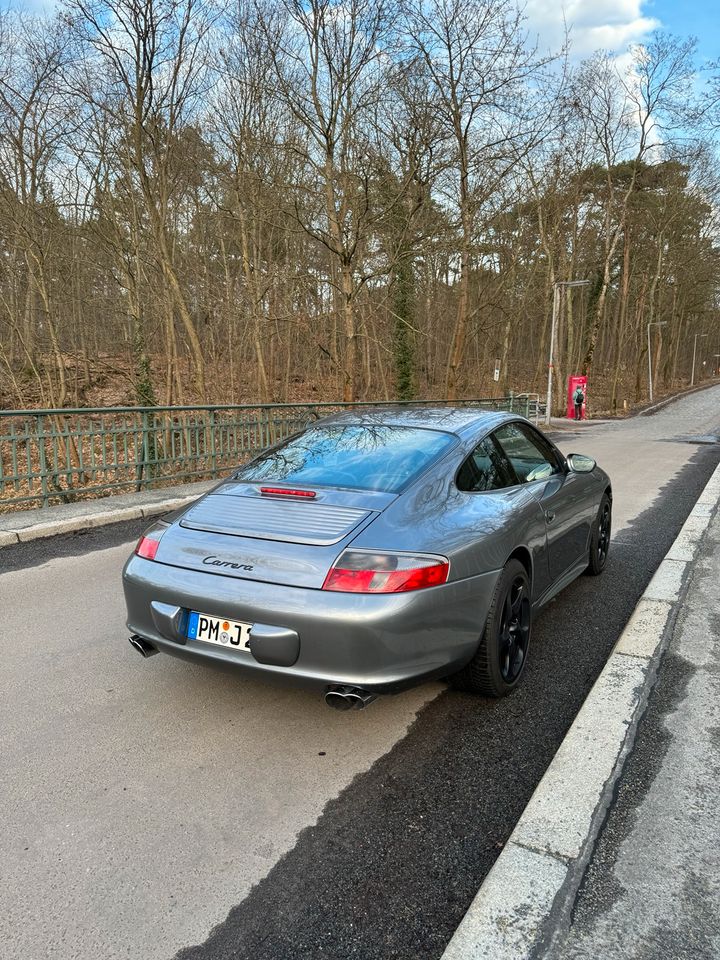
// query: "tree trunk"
[[350, 336], [457, 349]]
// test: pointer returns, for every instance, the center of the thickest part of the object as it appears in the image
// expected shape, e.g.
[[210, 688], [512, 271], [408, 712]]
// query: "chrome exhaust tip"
[[144, 648], [348, 698]]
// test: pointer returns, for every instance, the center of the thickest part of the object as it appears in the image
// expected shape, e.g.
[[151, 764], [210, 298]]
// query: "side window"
[[485, 469], [531, 457]]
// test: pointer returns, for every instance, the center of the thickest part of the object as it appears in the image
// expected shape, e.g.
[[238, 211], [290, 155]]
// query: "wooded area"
[[313, 199]]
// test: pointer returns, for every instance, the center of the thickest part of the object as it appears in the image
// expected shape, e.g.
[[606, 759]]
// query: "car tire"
[[500, 658], [600, 538]]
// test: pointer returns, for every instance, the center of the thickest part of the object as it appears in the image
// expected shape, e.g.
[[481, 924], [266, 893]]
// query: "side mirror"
[[579, 463]]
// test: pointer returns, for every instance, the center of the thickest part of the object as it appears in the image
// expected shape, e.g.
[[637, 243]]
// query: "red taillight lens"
[[285, 492], [358, 572], [149, 542], [147, 548]]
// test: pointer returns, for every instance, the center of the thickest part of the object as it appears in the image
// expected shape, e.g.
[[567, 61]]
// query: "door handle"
[[549, 516]]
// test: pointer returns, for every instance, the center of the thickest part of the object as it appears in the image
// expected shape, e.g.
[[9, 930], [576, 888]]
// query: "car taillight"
[[285, 492], [358, 572], [149, 542]]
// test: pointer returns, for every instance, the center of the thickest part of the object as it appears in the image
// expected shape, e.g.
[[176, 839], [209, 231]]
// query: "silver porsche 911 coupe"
[[373, 551]]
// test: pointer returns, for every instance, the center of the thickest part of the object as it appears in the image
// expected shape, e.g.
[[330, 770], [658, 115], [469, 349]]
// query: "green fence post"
[[43, 462], [268, 427], [213, 449], [145, 469]]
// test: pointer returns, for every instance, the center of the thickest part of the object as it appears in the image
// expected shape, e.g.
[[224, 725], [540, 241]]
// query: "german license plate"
[[226, 633]]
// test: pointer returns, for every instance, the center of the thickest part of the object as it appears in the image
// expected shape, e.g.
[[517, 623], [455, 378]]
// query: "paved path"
[[142, 800], [643, 453], [652, 889]]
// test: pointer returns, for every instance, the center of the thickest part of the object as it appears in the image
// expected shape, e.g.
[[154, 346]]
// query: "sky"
[[613, 24], [692, 18], [594, 24]]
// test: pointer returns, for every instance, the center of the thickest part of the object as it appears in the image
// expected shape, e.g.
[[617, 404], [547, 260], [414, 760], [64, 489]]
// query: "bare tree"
[[625, 114], [306, 195], [151, 64], [480, 63], [329, 58], [254, 132], [34, 125]]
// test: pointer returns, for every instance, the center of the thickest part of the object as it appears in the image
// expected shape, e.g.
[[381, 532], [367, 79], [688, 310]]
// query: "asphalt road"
[[146, 803]]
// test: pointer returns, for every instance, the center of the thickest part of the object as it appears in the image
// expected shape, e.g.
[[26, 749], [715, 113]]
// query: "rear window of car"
[[364, 457]]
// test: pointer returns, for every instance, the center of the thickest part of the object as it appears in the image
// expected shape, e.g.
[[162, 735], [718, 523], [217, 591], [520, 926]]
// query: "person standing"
[[578, 400]]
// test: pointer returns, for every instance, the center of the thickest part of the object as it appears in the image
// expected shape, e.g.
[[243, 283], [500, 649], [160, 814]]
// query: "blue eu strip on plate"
[[193, 625]]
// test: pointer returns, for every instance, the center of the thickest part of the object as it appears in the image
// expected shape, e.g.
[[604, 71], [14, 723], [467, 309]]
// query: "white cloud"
[[593, 24]]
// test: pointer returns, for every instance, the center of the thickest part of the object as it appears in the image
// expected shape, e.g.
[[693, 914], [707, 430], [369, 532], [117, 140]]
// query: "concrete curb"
[[87, 521], [534, 881]]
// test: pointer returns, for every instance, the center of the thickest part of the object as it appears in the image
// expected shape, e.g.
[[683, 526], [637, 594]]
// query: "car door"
[[560, 493], [505, 513]]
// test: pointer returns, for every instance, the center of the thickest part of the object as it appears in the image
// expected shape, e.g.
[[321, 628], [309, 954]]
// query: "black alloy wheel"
[[514, 630], [600, 539], [501, 656]]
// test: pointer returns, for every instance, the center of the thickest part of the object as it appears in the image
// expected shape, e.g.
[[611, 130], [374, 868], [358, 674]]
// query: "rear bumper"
[[382, 643]]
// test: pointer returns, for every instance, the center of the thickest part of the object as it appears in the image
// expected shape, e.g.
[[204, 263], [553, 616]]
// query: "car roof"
[[462, 421]]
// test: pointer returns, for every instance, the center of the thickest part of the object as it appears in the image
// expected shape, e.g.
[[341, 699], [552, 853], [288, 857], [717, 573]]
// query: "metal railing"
[[59, 456], [529, 404]]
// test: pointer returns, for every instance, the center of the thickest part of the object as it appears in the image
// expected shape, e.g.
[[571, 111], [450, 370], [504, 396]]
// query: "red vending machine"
[[573, 384]]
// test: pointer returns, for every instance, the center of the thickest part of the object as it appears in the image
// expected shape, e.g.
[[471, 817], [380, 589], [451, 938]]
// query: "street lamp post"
[[656, 323], [692, 375], [553, 326]]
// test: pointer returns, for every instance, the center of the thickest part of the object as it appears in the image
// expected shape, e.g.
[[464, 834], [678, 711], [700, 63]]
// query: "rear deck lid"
[[317, 522], [237, 532]]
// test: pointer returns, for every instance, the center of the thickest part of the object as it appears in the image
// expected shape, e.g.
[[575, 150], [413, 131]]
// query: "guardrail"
[[63, 455], [531, 403]]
